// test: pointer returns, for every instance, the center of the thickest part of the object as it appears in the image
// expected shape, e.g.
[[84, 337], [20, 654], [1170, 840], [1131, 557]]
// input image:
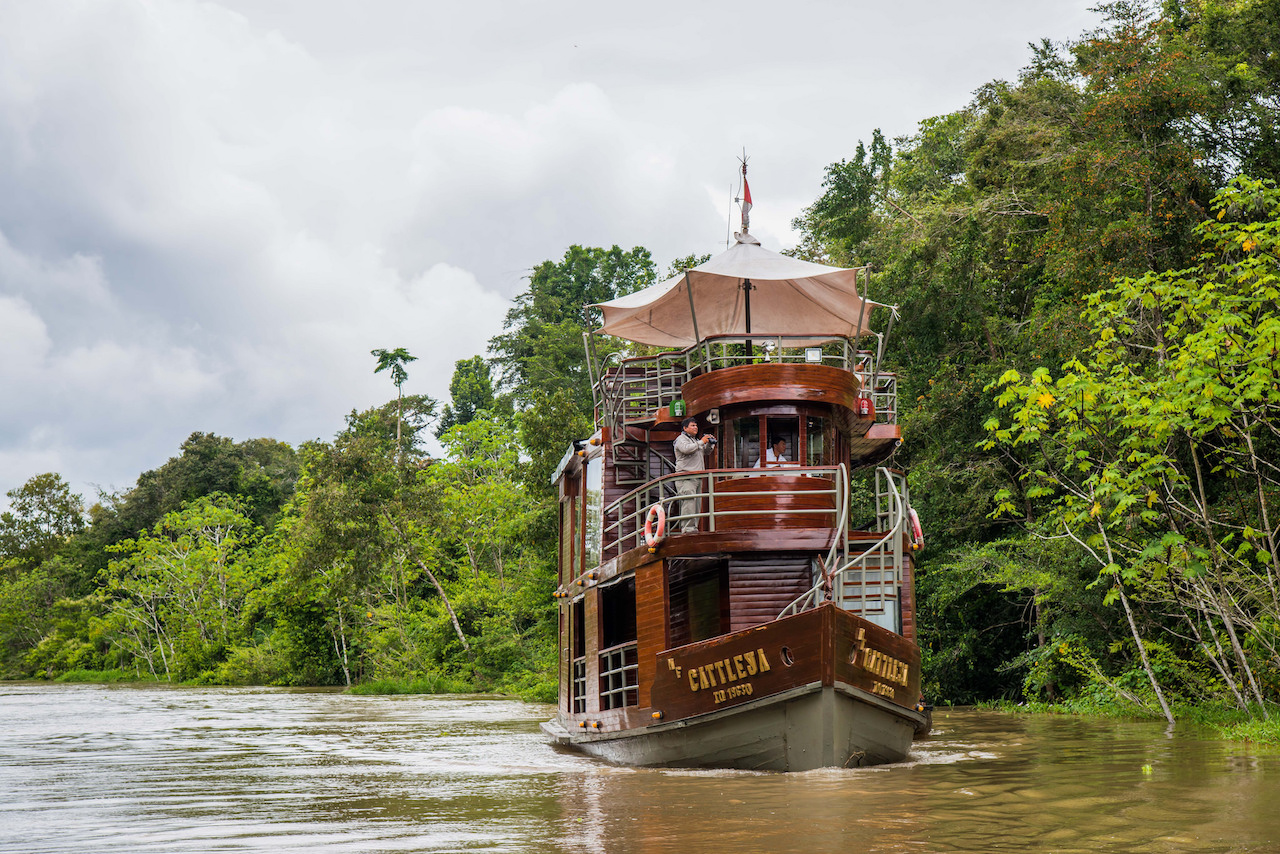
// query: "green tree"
[[179, 590], [349, 535], [262, 472], [1160, 469], [839, 224], [991, 226], [394, 361], [540, 354], [679, 265], [471, 390], [43, 514]]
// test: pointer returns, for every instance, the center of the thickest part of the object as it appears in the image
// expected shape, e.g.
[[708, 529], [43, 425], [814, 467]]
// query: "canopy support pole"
[[693, 315], [863, 310], [747, 287], [591, 374], [875, 376]]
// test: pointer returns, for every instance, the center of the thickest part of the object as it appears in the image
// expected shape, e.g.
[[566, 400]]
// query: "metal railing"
[[619, 676], [726, 351], [636, 388], [855, 571], [625, 517], [579, 685], [884, 395]]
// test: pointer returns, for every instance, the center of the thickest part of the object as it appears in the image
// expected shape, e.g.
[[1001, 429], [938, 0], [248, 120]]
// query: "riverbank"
[[1256, 725], [529, 688]]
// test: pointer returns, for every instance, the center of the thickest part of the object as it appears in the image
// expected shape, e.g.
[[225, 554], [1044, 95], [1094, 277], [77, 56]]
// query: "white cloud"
[[24, 339], [211, 212]]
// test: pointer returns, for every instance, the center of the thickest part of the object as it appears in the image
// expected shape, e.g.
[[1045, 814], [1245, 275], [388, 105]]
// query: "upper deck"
[[820, 400], [811, 391]]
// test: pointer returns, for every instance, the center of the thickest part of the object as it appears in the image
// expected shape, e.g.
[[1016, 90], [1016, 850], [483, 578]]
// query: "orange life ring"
[[917, 533], [652, 538]]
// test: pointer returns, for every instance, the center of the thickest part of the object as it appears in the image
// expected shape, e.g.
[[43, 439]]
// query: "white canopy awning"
[[790, 297]]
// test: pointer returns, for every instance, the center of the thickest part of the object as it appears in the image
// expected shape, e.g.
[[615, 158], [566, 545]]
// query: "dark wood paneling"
[[824, 645], [739, 667], [875, 659], [750, 383], [772, 506], [908, 598], [651, 622], [681, 545], [592, 636], [878, 443], [760, 586]]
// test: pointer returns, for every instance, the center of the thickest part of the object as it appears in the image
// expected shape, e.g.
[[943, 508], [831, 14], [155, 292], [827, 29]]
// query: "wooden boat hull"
[[810, 727], [820, 689]]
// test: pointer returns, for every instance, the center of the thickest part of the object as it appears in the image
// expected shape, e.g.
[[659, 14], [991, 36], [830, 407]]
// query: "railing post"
[[711, 503]]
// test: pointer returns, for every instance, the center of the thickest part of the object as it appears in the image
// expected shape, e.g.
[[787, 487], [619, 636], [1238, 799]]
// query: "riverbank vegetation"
[[1085, 260]]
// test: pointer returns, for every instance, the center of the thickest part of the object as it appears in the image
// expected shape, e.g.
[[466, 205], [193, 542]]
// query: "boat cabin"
[[767, 531]]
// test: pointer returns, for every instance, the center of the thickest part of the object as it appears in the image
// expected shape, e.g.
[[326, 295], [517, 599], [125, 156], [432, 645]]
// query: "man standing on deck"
[[689, 457]]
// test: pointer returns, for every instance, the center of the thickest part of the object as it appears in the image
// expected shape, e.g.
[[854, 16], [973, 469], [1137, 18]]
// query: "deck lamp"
[[813, 355]]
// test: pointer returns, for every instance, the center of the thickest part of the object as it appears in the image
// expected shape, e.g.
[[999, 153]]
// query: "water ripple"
[[126, 769]]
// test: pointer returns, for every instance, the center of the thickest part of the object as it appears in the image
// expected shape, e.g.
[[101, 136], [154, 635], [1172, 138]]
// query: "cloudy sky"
[[210, 212]]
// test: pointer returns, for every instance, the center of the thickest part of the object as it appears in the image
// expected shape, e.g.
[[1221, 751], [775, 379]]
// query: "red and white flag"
[[746, 196]]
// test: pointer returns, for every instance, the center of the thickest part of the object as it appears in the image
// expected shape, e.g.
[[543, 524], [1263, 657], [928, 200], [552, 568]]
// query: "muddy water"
[[110, 769]]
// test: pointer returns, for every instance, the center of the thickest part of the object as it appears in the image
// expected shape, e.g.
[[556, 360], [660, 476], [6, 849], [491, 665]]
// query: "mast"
[[745, 237]]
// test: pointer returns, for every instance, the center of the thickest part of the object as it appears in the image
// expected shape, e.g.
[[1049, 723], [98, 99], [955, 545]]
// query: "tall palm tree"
[[395, 360]]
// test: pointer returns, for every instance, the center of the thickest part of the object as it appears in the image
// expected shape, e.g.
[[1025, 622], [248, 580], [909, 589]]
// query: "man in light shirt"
[[775, 454], [689, 457]]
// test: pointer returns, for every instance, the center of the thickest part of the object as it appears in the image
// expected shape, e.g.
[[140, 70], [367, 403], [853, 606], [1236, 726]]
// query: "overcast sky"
[[210, 212]]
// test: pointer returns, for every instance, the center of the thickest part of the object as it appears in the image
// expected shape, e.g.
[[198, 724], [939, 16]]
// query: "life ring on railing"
[[917, 533], [651, 537]]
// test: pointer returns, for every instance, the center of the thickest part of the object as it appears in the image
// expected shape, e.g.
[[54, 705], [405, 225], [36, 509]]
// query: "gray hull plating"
[[799, 730]]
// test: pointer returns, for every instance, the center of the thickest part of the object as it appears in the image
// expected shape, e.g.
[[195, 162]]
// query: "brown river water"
[[129, 769]]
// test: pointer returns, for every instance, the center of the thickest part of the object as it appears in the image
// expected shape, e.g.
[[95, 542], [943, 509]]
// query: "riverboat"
[[759, 613]]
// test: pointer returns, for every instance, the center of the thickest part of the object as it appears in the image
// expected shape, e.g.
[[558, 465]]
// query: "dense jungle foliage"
[[1087, 283]]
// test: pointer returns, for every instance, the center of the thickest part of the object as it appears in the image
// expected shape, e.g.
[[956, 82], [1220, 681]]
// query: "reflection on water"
[[112, 769]]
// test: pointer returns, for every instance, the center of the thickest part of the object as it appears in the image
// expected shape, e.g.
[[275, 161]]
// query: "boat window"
[[578, 664], [815, 442], [699, 599], [787, 430], [746, 442], [593, 512], [619, 658], [618, 613], [704, 608], [566, 541], [579, 628]]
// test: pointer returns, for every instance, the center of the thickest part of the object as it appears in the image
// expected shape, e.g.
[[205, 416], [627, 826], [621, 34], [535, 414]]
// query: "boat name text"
[[725, 671], [879, 664]]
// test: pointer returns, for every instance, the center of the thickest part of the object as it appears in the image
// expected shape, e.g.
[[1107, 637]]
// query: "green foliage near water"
[[1086, 361], [1087, 286], [359, 561]]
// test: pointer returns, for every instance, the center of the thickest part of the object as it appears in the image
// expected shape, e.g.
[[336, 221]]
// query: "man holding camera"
[[689, 457]]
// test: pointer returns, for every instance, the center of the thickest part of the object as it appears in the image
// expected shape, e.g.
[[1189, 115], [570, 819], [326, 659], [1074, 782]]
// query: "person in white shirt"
[[775, 454]]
